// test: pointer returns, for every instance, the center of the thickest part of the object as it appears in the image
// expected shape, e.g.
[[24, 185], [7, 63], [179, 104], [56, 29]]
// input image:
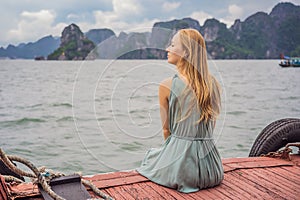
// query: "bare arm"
[[164, 93]]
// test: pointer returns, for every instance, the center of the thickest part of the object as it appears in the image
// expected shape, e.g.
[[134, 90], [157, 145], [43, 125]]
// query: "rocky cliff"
[[260, 36], [118, 46], [40, 48], [74, 45], [99, 35], [144, 45]]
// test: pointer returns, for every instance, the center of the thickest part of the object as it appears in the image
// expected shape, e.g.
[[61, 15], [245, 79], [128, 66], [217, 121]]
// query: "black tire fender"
[[275, 136]]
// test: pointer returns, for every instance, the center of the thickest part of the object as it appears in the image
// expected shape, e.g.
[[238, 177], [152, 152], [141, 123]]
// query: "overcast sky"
[[30, 20]]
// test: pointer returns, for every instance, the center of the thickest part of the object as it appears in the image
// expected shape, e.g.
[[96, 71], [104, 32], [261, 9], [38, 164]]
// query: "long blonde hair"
[[193, 65]]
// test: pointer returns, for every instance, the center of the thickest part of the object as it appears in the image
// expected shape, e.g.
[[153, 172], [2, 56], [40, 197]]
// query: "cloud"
[[73, 16], [112, 21], [170, 6], [24, 21], [33, 25], [200, 16], [235, 11], [126, 7], [108, 19], [126, 15]]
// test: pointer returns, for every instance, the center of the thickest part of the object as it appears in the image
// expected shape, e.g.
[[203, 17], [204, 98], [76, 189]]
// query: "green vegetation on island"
[[260, 36], [74, 45]]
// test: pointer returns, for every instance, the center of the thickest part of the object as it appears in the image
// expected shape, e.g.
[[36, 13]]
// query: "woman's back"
[[184, 114], [188, 161]]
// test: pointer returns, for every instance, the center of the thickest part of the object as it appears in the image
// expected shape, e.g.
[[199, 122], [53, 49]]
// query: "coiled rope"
[[40, 178]]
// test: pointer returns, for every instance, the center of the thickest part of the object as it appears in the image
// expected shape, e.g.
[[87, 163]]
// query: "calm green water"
[[99, 116]]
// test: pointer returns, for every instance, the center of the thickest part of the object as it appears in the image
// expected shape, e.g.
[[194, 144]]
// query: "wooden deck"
[[245, 178]]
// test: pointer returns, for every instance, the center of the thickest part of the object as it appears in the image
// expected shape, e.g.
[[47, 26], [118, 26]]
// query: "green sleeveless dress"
[[188, 160]]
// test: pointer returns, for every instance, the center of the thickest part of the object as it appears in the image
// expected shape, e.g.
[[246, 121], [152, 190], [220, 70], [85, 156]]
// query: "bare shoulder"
[[166, 83], [164, 88]]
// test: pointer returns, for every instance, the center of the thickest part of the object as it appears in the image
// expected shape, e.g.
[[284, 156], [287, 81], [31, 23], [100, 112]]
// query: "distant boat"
[[287, 61], [39, 58]]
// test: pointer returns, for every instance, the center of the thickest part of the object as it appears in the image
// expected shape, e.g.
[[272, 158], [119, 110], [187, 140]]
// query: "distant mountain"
[[148, 45], [74, 45], [42, 47], [286, 18], [99, 35], [260, 36], [114, 47]]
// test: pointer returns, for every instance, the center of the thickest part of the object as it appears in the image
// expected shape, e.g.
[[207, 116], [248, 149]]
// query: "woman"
[[190, 103]]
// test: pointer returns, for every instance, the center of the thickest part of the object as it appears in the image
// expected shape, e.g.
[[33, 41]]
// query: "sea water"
[[103, 115]]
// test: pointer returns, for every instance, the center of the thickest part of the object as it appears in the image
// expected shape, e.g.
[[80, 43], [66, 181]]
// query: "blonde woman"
[[190, 103]]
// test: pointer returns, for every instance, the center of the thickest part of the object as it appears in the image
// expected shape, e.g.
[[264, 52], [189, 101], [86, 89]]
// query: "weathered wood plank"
[[256, 185], [265, 182], [3, 189], [245, 178], [285, 174], [235, 184], [168, 193], [117, 181]]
